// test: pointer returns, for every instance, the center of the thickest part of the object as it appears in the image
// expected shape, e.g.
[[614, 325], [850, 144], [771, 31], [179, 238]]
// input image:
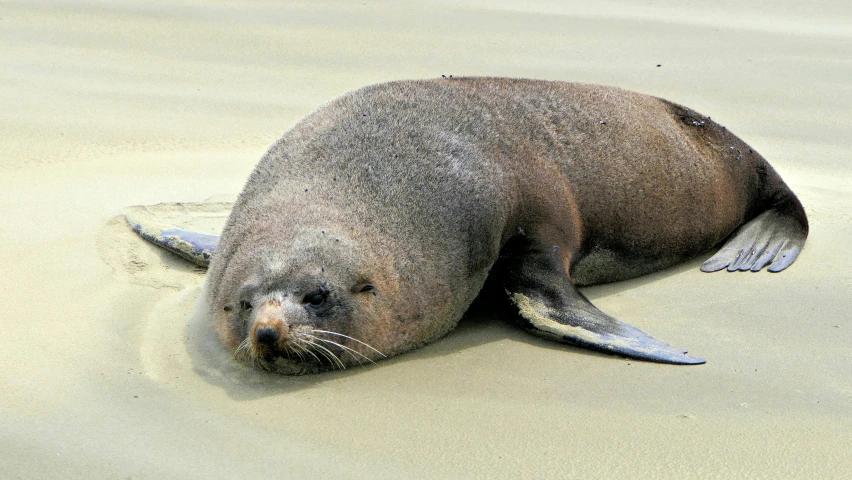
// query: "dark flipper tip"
[[634, 343]]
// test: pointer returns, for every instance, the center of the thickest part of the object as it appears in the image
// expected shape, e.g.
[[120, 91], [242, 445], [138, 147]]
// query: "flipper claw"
[[771, 239]]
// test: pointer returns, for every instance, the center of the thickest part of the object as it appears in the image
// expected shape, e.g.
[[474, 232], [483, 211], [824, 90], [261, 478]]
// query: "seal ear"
[[551, 307]]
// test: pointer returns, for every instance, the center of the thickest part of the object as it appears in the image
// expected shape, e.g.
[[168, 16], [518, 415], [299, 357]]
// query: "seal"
[[371, 226]]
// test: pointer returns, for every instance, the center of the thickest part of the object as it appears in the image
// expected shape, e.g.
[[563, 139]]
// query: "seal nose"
[[267, 336]]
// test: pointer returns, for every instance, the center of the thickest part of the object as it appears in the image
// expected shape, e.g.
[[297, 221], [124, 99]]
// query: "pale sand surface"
[[106, 375]]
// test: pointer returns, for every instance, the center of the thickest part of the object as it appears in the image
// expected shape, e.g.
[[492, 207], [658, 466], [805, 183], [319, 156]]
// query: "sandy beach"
[[107, 372]]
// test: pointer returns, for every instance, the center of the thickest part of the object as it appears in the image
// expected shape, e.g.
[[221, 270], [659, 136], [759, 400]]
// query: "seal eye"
[[315, 299], [245, 305], [363, 287]]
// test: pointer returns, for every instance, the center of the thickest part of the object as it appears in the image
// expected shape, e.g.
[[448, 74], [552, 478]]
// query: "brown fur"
[[415, 187]]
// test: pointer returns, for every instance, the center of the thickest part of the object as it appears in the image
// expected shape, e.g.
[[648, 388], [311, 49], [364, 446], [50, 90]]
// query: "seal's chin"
[[289, 366], [288, 360]]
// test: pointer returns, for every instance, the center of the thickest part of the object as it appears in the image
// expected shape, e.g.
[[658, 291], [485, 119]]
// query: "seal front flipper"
[[196, 247], [551, 307]]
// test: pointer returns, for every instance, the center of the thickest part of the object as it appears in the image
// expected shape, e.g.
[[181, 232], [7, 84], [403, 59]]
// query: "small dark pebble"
[[603, 122], [659, 65]]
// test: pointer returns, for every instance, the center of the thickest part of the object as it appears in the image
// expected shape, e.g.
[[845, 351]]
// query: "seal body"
[[371, 226]]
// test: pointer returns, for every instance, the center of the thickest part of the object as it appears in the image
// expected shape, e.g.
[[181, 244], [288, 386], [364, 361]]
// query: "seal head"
[[302, 304]]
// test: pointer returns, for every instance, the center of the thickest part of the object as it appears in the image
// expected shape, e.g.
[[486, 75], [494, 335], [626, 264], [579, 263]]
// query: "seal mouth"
[[302, 350]]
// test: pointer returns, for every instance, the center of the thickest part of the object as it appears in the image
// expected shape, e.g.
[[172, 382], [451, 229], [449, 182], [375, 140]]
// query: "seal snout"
[[267, 336], [270, 331]]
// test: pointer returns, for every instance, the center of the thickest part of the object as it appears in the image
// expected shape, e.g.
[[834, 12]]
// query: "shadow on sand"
[[491, 318]]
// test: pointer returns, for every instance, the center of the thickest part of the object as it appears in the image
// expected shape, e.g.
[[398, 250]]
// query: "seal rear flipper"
[[774, 238], [196, 247], [552, 307]]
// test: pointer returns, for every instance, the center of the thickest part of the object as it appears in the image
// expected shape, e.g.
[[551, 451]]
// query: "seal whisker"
[[351, 338], [348, 350], [345, 348], [323, 354], [290, 352], [305, 349], [298, 353], [333, 359], [256, 360], [243, 350], [311, 347]]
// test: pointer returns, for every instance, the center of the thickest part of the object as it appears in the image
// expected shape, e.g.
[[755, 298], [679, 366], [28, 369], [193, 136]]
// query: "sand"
[[106, 373]]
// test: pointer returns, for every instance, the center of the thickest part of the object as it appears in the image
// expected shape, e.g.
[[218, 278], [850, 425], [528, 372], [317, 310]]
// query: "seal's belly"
[[605, 265]]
